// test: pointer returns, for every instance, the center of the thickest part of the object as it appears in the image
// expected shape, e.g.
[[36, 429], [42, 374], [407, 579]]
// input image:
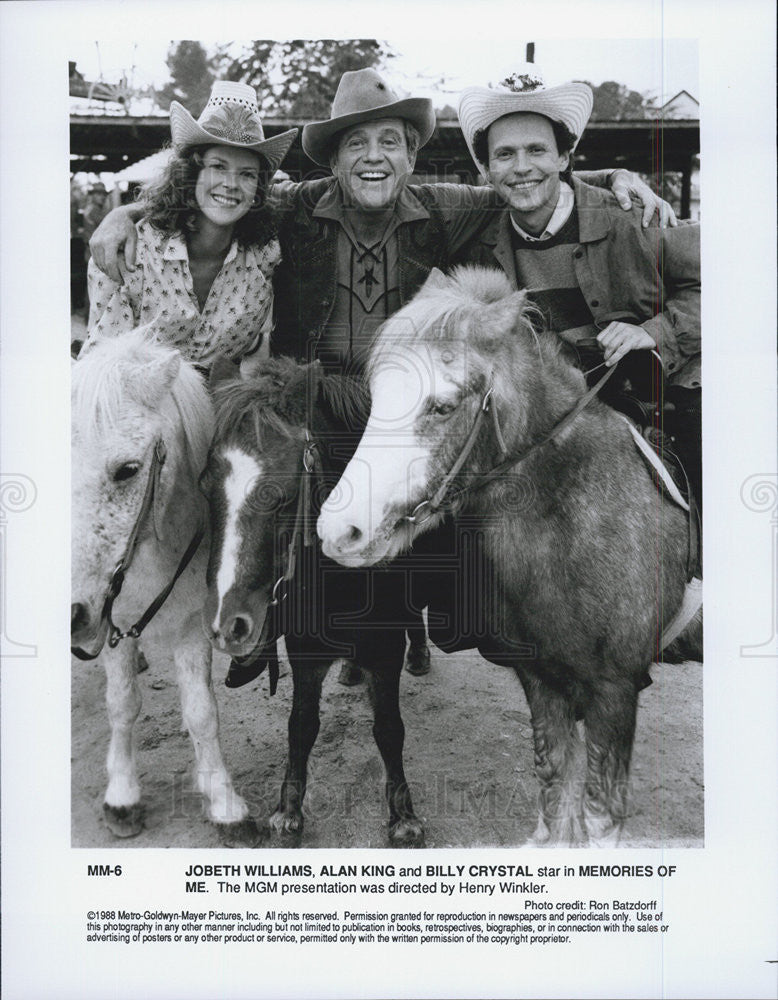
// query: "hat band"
[[233, 124]]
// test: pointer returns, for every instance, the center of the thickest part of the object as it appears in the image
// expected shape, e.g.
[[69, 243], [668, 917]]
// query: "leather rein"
[[439, 501], [114, 634], [302, 520]]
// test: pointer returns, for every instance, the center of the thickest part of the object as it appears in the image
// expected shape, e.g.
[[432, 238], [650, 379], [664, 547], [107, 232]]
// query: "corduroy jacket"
[[649, 277]]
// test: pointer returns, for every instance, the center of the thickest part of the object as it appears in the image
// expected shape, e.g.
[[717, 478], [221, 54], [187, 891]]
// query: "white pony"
[[141, 427]]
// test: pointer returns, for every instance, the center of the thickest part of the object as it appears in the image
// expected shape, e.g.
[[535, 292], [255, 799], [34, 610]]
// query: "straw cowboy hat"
[[230, 118], [363, 96], [525, 90]]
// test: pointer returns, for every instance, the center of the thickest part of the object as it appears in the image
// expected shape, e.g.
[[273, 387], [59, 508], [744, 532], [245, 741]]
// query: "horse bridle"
[[115, 635], [439, 500], [302, 519], [303, 528]]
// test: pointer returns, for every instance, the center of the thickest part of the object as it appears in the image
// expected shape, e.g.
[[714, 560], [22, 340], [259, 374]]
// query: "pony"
[[142, 423], [281, 442], [477, 414]]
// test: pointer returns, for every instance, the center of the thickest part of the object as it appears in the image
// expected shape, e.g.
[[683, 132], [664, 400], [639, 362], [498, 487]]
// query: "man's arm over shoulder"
[[286, 196], [113, 243], [464, 208], [628, 189]]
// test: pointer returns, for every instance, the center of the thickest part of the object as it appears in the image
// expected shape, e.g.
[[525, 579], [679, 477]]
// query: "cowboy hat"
[[362, 96], [230, 118], [570, 104]]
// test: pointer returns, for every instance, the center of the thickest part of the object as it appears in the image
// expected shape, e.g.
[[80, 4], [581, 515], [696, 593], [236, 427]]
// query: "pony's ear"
[[222, 370], [153, 380], [436, 279], [164, 371], [499, 319]]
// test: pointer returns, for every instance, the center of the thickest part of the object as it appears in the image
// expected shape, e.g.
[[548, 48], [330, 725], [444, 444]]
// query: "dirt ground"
[[468, 757]]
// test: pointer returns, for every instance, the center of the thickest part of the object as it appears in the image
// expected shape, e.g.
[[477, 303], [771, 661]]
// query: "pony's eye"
[[126, 471], [442, 407]]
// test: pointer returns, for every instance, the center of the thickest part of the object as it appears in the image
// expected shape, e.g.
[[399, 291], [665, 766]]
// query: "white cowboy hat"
[[230, 118], [525, 90], [362, 96]]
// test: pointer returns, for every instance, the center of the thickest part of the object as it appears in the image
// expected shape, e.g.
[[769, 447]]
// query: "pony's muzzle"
[[234, 628], [80, 620], [338, 543], [233, 634], [88, 627]]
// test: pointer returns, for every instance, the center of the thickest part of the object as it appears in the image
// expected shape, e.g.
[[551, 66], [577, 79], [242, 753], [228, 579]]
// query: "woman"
[[206, 244]]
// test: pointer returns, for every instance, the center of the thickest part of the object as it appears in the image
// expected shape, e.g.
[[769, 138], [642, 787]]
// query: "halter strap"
[[114, 635], [438, 500], [488, 477], [302, 517]]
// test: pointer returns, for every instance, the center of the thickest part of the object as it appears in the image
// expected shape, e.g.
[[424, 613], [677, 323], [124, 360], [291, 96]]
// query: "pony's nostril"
[[353, 534], [79, 618], [240, 628]]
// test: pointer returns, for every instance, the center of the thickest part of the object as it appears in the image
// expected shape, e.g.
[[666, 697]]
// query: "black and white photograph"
[[376, 470], [343, 274]]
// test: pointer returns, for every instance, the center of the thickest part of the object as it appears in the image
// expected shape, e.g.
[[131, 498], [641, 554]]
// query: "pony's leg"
[[307, 679], [226, 808], [556, 752], [609, 721], [122, 807], [405, 830]]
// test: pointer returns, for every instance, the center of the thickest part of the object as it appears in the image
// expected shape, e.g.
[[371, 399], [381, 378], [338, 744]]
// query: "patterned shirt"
[[234, 321], [368, 283]]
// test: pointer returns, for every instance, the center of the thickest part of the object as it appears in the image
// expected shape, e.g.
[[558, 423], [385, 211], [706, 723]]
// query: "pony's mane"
[[453, 309], [124, 366], [276, 400]]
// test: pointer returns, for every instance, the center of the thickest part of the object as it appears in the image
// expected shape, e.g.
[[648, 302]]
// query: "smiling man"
[[362, 246], [603, 281], [358, 245]]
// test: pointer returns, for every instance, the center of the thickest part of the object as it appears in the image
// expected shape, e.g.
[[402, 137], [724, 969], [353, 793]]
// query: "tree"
[[615, 102], [299, 78], [191, 77]]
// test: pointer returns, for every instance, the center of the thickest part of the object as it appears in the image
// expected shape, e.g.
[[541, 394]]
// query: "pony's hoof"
[[406, 833], [288, 824], [124, 821], [243, 833]]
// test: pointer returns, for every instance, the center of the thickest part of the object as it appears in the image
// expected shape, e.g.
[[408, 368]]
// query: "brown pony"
[[282, 441], [584, 557]]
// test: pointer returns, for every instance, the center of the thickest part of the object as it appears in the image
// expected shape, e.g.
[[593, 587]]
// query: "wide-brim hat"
[[363, 96], [230, 118], [525, 90]]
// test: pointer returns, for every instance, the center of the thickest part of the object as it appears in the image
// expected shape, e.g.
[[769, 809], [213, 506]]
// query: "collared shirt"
[[560, 215], [236, 317], [367, 287]]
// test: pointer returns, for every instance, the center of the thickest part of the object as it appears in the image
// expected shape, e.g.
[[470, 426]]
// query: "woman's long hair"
[[170, 205]]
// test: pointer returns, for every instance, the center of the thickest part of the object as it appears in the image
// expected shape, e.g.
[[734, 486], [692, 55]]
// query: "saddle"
[[640, 390]]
